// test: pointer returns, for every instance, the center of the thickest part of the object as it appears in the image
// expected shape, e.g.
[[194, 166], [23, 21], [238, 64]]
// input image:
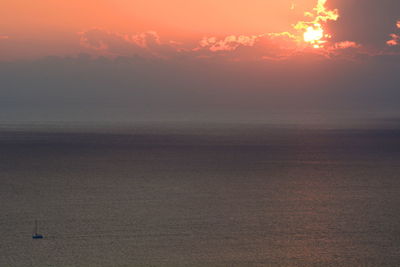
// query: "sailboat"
[[35, 235]]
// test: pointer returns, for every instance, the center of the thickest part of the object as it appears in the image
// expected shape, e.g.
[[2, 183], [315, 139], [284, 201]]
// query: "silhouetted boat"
[[35, 235]]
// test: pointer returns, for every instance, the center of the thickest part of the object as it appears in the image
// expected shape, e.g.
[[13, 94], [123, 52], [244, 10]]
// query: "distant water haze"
[[232, 195]]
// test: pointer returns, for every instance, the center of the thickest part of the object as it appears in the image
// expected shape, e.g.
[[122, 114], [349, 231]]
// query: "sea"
[[205, 195]]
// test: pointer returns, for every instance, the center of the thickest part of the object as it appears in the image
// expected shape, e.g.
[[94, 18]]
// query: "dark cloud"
[[368, 22]]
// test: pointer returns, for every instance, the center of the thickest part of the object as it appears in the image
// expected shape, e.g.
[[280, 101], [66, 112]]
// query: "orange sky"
[[182, 18], [31, 29]]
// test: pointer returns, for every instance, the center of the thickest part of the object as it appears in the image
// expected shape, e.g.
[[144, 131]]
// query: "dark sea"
[[200, 196]]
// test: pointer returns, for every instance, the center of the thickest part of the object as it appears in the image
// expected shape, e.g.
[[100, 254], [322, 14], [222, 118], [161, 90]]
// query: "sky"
[[126, 60]]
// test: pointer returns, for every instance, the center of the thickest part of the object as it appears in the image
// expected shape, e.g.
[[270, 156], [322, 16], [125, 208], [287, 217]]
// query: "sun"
[[314, 35], [313, 28]]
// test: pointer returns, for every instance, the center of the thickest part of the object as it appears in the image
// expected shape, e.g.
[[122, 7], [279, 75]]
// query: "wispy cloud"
[[229, 43], [146, 44], [395, 38], [346, 44], [394, 41]]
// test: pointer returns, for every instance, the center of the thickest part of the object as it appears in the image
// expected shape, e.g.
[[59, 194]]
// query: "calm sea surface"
[[223, 197]]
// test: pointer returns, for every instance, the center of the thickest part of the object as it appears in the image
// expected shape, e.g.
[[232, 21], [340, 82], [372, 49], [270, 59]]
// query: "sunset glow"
[[237, 30], [313, 29]]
